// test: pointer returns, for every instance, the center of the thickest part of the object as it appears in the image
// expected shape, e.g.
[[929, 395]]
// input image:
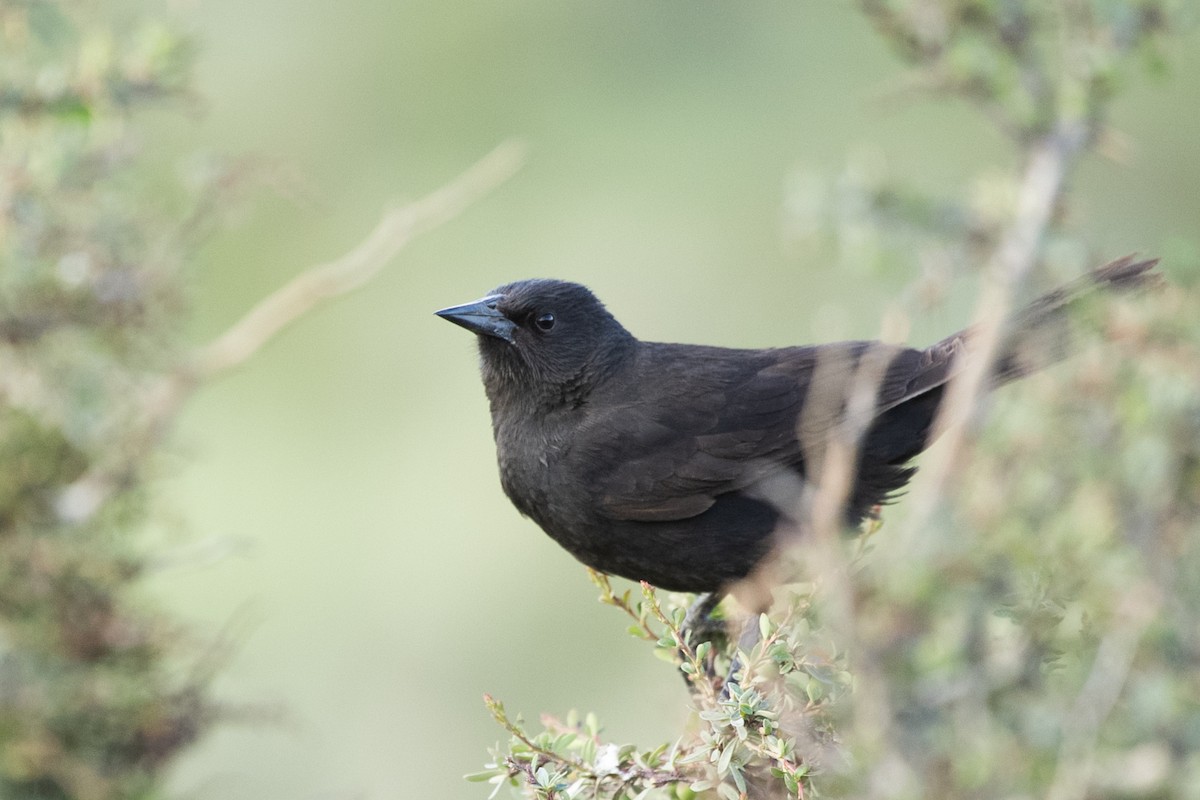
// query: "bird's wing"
[[702, 422], [697, 429], [669, 459]]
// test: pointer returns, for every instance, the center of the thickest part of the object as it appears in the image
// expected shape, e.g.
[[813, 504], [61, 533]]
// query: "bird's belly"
[[533, 483], [705, 552]]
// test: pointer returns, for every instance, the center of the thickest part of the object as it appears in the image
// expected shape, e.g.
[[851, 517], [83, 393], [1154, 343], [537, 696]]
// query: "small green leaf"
[[738, 779], [665, 655], [480, 777], [728, 792], [726, 757], [692, 757]]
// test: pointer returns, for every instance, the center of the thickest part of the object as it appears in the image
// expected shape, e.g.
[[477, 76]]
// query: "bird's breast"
[[528, 454]]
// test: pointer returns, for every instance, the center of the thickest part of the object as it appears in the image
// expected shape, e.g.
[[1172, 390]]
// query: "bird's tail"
[[1038, 335]]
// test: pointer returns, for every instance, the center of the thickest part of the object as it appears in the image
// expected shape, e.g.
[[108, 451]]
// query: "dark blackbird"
[[663, 462]]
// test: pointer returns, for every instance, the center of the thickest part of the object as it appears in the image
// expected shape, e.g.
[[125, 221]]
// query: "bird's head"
[[548, 341]]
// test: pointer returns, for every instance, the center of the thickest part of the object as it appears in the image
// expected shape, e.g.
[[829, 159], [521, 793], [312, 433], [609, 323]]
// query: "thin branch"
[[694, 667], [871, 708], [326, 281], [161, 400], [496, 709], [1013, 260], [609, 597]]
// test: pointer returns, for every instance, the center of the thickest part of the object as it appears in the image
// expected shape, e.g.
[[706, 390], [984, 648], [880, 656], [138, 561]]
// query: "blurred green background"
[[378, 581]]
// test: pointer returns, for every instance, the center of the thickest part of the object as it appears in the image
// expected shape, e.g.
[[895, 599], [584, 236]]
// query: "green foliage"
[[1041, 638], [1036, 631], [91, 705], [780, 693], [1030, 65]]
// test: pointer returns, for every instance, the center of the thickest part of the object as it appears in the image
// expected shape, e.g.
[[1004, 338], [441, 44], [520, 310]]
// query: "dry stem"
[[325, 281], [161, 401]]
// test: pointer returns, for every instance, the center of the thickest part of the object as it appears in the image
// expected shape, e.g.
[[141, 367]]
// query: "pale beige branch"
[[873, 716], [1042, 184], [160, 400], [837, 413], [1048, 163], [326, 281]]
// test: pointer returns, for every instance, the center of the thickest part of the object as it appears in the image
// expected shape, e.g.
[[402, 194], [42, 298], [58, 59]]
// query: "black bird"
[[666, 462]]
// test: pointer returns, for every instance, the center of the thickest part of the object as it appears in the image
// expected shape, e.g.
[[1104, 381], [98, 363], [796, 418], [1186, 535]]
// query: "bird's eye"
[[544, 322]]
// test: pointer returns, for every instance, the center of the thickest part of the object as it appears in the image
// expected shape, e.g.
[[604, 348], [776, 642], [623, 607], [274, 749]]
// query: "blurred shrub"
[[93, 702]]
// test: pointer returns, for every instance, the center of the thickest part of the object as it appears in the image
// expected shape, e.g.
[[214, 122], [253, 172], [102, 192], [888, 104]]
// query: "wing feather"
[[737, 425]]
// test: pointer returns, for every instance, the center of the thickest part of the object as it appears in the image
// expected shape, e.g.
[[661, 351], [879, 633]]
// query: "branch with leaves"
[[751, 721]]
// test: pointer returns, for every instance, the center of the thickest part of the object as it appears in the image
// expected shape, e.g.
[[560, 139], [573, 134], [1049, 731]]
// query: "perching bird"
[[678, 464]]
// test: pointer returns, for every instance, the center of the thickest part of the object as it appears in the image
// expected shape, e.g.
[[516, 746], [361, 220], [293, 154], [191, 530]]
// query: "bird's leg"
[[747, 639], [698, 621], [699, 625]]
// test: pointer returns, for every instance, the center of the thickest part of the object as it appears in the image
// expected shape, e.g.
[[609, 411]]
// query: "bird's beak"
[[481, 317]]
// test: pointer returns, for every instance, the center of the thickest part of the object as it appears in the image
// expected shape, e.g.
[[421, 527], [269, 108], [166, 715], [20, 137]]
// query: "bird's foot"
[[699, 625], [699, 621], [747, 639]]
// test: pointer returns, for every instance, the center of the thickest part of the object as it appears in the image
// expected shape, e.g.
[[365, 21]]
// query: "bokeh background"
[[373, 578]]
